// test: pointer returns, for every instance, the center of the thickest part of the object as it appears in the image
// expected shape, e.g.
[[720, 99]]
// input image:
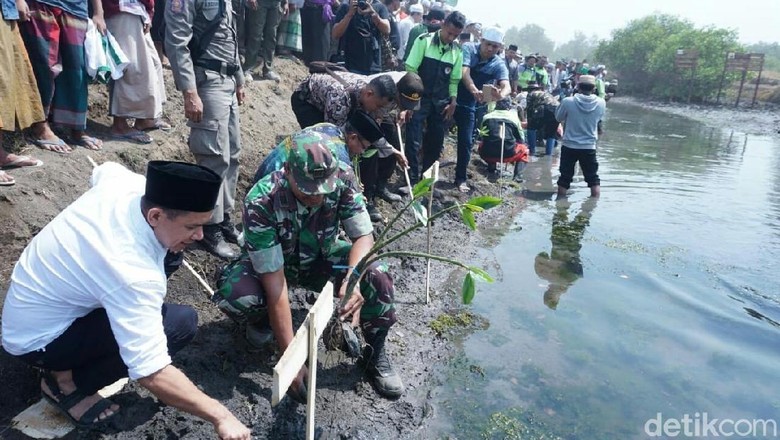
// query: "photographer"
[[361, 25]]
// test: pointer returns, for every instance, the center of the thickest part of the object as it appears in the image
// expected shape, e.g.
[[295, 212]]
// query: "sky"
[[755, 20]]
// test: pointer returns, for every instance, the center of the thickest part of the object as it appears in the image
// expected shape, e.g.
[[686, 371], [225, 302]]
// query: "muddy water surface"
[[658, 302]]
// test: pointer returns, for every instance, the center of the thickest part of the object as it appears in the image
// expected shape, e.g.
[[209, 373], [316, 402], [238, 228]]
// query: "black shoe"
[[214, 242], [374, 213], [383, 193], [229, 230], [378, 368]]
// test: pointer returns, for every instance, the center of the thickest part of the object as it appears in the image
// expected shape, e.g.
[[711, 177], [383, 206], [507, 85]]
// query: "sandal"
[[136, 136], [6, 180], [159, 124], [20, 162], [64, 403], [88, 142]]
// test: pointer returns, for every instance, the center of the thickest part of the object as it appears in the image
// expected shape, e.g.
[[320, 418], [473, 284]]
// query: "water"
[[661, 297]]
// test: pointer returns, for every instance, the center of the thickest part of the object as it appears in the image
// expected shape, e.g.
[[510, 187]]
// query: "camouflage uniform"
[[280, 232]]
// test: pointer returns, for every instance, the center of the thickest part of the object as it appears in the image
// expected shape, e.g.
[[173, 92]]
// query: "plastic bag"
[[103, 55]]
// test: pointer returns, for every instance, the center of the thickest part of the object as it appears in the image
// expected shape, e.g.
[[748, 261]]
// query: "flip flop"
[[137, 136], [464, 187], [88, 142], [4, 175], [21, 161], [159, 124], [47, 144]]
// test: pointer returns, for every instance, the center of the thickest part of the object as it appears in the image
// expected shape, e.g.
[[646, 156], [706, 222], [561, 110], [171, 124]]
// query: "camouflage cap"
[[314, 163]]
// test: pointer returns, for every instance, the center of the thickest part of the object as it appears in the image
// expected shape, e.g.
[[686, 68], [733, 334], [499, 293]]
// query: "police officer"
[[200, 40], [292, 221]]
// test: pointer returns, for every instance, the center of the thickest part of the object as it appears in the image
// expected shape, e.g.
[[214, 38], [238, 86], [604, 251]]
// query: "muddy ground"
[[219, 360]]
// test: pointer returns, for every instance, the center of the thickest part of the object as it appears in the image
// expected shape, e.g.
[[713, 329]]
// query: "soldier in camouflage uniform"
[[356, 136], [292, 220]]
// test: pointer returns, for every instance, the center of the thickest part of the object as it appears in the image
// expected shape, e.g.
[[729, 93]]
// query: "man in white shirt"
[[85, 302], [405, 26]]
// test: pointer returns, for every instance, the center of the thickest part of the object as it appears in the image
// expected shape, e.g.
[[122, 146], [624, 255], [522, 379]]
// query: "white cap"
[[493, 34], [416, 8]]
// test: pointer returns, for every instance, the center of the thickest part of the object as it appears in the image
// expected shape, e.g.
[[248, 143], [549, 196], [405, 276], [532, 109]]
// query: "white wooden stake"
[[314, 336], [501, 168], [435, 175], [401, 145], [302, 347]]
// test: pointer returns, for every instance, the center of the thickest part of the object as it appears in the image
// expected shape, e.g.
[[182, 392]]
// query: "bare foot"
[[67, 386]]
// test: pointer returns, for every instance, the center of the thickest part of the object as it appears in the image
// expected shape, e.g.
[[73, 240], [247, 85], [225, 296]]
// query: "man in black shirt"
[[361, 24]]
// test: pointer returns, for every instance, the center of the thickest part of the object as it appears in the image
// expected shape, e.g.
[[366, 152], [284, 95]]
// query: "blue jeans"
[[430, 112], [548, 146]]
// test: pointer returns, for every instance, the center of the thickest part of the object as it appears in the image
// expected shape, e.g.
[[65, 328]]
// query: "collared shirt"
[[186, 18], [333, 98], [482, 72], [280, 232], [99, 252], [439, 65]]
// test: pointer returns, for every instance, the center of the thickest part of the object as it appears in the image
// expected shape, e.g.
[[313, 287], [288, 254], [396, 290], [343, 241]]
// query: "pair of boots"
[[378, 368], [383, 193], [217, 236]]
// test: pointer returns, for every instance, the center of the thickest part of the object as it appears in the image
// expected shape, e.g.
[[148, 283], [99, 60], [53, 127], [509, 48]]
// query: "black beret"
[[182, 186]]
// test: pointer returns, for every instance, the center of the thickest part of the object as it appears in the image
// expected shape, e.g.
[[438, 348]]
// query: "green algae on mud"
[[457, 322]]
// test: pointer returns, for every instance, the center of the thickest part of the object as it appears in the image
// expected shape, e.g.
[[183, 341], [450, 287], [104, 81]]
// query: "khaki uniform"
[[215, 140]]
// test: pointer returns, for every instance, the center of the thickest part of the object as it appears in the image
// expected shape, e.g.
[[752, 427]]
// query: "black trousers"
[[89, 349], [588, 163], [306, 113]]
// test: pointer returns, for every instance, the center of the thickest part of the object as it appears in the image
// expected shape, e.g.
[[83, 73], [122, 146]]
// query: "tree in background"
[[771, 53], [529, 39], [642, 56], [580, 47]]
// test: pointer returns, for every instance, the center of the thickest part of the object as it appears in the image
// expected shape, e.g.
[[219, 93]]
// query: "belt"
[[218, 66]]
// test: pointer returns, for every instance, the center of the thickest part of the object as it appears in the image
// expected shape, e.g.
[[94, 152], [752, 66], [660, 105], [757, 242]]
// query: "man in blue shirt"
[[481, 66]]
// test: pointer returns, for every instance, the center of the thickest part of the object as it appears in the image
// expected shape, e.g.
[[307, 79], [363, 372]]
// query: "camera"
[[362, 4]]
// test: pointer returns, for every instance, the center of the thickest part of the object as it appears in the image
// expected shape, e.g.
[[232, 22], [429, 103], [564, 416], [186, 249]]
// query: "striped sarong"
[[288, 36], [55, 43]]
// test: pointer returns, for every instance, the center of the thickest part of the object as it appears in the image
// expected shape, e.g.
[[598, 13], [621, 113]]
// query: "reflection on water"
[[672, 299], [563, 265]]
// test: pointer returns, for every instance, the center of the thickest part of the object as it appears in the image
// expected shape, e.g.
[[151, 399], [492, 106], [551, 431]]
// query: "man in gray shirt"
[[200, 40], [581, 115]]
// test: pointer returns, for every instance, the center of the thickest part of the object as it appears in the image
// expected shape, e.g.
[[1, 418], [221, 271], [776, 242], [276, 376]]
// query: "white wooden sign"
[[303, 347]]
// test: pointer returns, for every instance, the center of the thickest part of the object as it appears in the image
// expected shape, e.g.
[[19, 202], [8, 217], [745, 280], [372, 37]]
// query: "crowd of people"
[[397, 70]]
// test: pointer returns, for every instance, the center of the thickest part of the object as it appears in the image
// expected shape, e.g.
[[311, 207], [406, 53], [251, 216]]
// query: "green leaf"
[[420, 213], [368, 153], [422, 187], [473, 208], [485, 202], [469, 289], [481, 274], [468, 218]]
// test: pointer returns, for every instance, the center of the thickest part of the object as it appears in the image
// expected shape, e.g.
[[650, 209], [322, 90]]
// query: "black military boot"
[[214, 242], [378, 369], [229, 230], [373, 213], [383, 193]]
